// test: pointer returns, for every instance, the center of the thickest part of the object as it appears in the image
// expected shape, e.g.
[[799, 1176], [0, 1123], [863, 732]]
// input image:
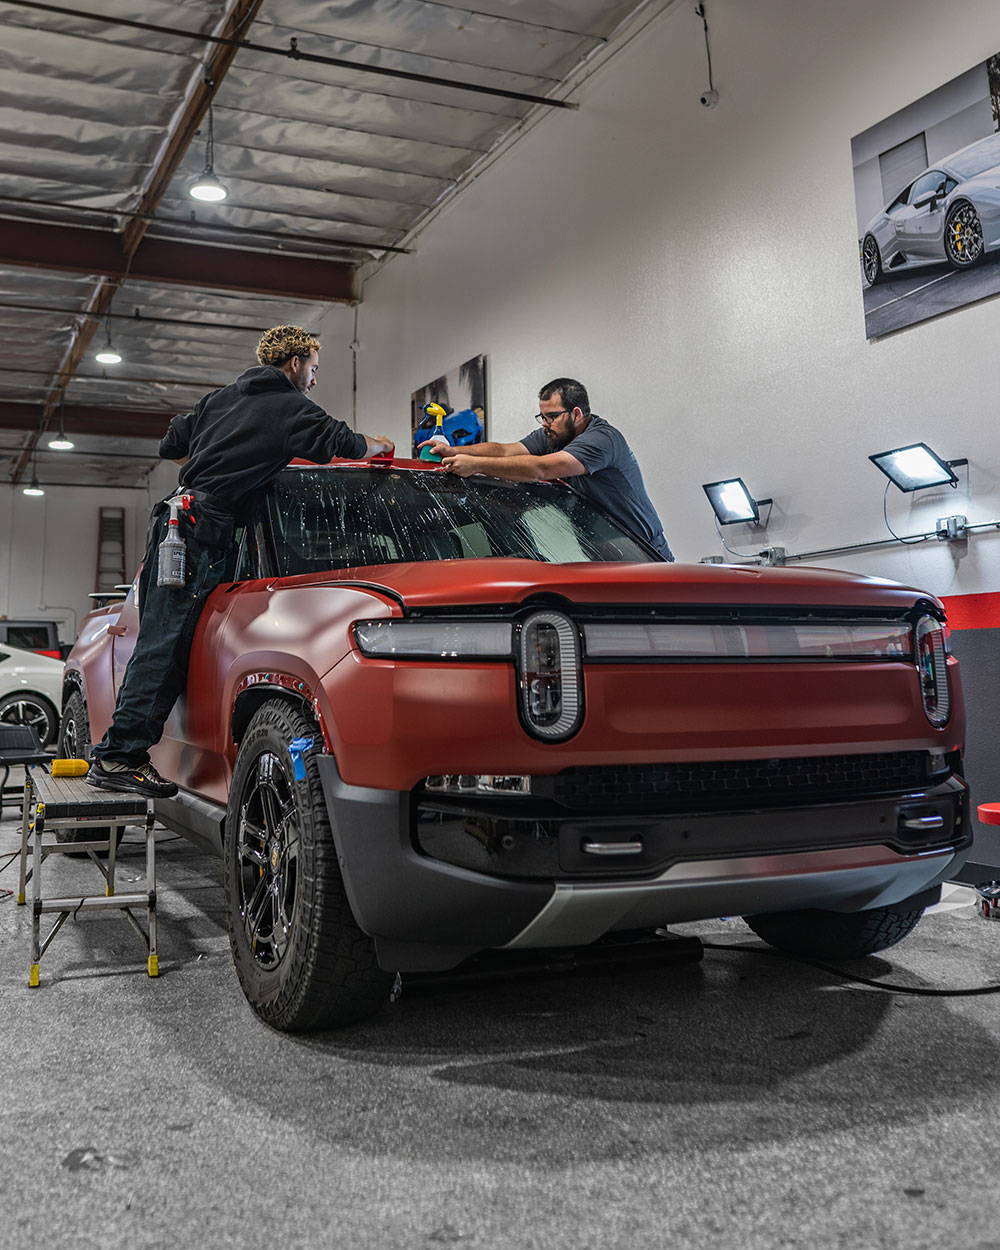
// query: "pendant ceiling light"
[[107, 355], [33, 488], [206, 186], [61, 442]]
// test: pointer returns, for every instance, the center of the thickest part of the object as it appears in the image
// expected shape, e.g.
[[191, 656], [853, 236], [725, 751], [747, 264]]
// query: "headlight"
[[932, 670], [434, 640], [550, 676]]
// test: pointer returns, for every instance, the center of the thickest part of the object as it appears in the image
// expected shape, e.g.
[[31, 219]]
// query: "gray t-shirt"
[[612, 479]]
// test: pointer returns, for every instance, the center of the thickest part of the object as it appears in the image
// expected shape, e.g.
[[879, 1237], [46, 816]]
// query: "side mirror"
[[931, 198]]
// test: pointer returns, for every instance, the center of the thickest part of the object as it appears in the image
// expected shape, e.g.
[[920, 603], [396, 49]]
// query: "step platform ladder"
[[52, 803]]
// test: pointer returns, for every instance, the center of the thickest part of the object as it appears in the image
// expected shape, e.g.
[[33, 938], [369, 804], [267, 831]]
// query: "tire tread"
[[834, 935], [330, 975]]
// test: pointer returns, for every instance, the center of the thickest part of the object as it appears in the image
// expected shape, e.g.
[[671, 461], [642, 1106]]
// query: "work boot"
[[143, 779]]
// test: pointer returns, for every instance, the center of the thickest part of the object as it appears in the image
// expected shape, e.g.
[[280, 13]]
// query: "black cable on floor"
[[853, 976], [11, 856]]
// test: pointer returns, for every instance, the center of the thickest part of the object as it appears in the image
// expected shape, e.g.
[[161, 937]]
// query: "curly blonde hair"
[[281, 343]]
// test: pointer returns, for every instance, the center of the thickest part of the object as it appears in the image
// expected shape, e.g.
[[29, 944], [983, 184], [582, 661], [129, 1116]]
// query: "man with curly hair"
[[230, 446]]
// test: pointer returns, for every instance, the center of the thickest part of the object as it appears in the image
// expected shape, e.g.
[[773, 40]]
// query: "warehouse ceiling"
[[338, 127]]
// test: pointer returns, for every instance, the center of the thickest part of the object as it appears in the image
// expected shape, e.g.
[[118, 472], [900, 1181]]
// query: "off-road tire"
[[302, 961], [74, 744], [834, 934]]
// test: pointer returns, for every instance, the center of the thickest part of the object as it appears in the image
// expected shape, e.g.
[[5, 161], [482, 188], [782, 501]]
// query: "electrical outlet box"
[[951, 527]]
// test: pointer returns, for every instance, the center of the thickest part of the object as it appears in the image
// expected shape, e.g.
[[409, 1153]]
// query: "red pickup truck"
[[435, 716]]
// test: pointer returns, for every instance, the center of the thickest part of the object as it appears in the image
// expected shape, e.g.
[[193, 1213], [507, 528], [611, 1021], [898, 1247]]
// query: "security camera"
[[709, 98]]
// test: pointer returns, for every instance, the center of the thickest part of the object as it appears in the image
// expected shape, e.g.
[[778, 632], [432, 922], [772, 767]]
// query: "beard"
[[558, 441]]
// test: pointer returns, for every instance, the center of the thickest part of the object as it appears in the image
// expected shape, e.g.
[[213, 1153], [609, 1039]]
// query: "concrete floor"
[[743, 1101]]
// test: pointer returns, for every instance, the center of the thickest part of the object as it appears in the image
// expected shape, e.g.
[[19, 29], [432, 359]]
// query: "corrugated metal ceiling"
[[339, 125]]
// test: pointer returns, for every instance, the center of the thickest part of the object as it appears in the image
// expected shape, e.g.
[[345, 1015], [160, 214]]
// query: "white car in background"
[[30, 691]]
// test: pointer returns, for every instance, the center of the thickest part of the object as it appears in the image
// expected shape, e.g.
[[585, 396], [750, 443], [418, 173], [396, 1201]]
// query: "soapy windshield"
[[327, 518]]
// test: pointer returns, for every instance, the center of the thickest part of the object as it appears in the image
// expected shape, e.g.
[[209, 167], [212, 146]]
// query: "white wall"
[[48, 549], [334, 381], [698, 270]]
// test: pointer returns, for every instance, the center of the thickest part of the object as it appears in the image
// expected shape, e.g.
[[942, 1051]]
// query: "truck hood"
[[442, 583]]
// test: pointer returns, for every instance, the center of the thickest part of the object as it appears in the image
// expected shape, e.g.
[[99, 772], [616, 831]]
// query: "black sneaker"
[[110, 775]]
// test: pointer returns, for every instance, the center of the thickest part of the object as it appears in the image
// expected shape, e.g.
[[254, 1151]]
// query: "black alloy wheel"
[[30, 709], [963, 236], [267, 849], [301, 959], [871, 261]]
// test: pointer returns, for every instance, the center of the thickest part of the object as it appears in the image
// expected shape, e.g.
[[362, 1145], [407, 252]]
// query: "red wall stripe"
[[973, 611]]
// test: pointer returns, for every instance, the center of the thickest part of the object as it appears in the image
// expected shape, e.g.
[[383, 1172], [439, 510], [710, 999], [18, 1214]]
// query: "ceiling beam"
[[83, 419], [220, 229], [217, 64], [238, 18], [295, 53], [74, 249]]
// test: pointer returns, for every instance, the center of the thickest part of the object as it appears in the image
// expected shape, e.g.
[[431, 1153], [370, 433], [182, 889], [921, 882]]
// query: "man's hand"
[[384, 446], [440, 446], [461, 465]]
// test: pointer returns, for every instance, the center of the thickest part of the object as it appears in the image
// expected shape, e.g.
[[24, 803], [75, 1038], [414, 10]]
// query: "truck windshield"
[[332, 518]]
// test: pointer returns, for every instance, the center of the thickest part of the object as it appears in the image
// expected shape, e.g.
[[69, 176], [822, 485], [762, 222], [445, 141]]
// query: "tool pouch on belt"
[[208, 521]]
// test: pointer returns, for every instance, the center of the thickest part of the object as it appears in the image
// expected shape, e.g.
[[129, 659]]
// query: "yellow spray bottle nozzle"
[[439, 414]]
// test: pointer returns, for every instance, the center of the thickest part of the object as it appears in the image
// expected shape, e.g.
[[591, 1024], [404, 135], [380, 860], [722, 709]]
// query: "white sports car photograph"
[[951, 212], [927, 199]]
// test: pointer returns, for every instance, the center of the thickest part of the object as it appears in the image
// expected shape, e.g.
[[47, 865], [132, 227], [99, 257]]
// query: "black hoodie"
[[239, 437]]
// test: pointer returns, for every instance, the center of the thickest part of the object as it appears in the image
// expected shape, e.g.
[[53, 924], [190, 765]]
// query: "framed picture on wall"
[[462, 394], [927, 198]]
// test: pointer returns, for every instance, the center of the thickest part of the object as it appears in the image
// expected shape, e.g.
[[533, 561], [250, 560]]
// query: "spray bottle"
[[172, 555], [439, 436]]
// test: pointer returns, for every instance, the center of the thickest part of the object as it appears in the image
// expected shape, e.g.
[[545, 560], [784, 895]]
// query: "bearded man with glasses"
[[574, 444]]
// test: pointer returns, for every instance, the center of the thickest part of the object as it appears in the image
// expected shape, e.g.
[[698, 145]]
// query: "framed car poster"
[[927, 197], [462, 394]]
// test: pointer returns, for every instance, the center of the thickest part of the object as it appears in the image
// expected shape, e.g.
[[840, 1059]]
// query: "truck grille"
[[739, 783]]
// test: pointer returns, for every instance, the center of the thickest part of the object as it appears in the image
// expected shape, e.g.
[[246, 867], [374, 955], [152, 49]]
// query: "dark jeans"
[[157, 672]]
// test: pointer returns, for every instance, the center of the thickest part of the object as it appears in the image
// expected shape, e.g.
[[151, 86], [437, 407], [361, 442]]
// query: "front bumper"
[[427, 913]]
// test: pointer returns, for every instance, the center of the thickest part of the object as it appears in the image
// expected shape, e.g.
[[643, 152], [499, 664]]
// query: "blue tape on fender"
[[296, 749]]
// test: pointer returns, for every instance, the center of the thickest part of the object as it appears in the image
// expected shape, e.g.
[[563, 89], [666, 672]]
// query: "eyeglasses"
[[546, 418]]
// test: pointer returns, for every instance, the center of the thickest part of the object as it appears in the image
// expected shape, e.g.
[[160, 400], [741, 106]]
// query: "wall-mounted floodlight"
[[915, 467], [732, 502]]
